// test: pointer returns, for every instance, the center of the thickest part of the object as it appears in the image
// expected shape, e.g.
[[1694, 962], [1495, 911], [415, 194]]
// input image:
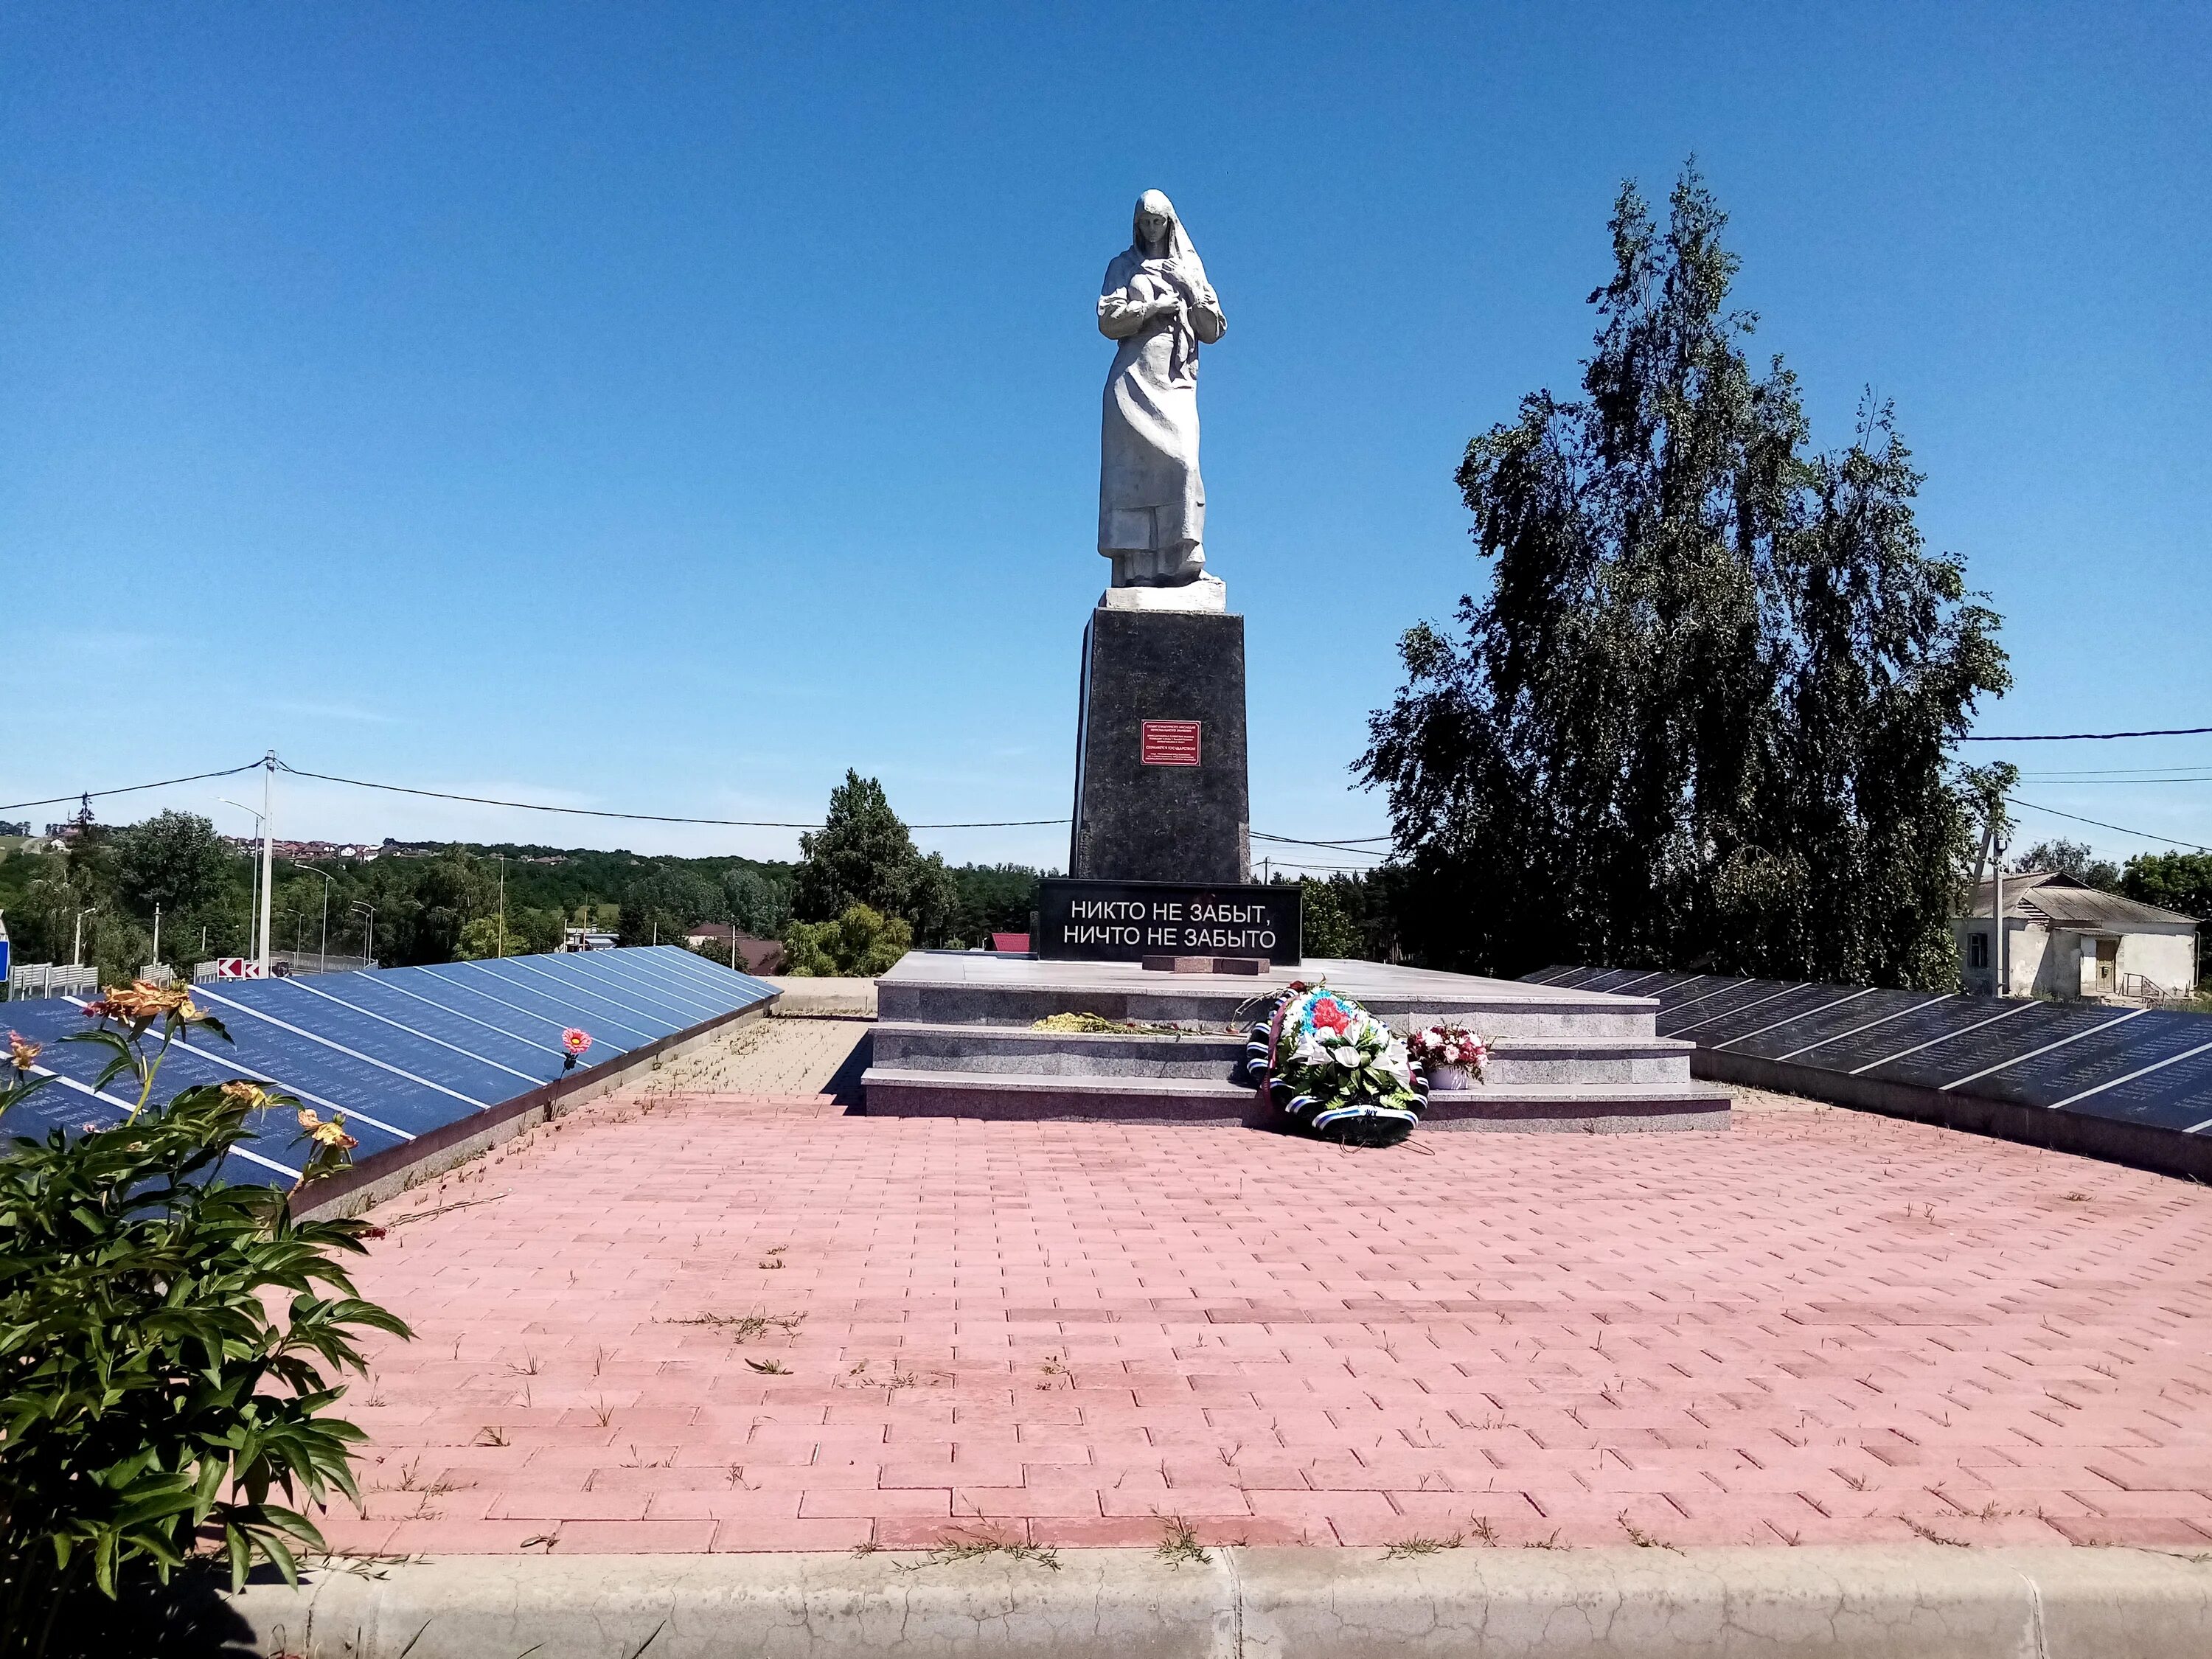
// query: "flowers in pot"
[[1335, 1070], [1450, 1054]]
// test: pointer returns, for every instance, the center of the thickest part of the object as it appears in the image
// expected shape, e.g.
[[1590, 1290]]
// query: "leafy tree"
[[454, 889], [2180, 882], [174, 859], [2072, 858], [531, 930], [754, 903], [1702, 715], [862, 942], [662, 905], [1326, 923], [487, 936], [863, 855], [993, 898]]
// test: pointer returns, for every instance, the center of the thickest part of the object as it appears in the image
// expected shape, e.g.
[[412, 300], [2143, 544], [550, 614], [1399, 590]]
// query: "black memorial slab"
[[1128, 921], [1161, 791]]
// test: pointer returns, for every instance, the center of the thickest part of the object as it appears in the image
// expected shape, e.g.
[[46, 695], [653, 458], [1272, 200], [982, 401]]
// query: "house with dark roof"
[[2063, 937], [754, 956]]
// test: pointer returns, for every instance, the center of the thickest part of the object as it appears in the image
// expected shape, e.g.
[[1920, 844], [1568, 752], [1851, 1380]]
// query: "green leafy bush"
[[150, 1400], [860, 944]]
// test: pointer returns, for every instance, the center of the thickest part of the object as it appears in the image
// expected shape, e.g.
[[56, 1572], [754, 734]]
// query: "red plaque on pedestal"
[[1169, 742]]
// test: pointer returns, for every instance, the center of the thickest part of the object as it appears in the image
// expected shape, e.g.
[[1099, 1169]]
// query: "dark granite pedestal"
[[1161, 790]]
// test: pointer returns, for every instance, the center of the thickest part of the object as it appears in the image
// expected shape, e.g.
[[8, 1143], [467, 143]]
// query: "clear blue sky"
[[669, 406]]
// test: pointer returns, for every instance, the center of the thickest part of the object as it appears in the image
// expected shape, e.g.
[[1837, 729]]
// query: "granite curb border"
[[1862, 1602]]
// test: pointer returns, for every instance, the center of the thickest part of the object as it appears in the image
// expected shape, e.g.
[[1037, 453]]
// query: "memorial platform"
[[956, 1037]]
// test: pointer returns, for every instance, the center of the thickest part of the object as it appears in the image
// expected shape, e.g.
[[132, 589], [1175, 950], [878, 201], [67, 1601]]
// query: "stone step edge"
[[1597, 1047], [1238, 989], [1833, 1601], [1210, 1089]]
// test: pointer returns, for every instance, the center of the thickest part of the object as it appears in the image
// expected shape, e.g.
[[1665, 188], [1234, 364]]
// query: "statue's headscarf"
[[1178, 238], [1183, 359]]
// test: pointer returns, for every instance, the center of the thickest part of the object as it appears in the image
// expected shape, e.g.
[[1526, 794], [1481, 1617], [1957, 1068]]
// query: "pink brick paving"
[[1820, 1326]]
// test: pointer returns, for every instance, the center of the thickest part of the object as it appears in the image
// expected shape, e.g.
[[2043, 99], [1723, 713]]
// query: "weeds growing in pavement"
[[1181, 1544], [744, 1327], [1931, 1534], [978, 1547], [769, 1367], [1641, 1539], [1406, 1548]]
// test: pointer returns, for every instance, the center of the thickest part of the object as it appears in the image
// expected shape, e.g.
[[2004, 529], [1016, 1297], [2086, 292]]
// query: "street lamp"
[[323, 965], [253, 909], [368, 932]]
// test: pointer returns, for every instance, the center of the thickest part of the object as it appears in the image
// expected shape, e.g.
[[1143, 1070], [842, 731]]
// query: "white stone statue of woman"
[[1157, 302]]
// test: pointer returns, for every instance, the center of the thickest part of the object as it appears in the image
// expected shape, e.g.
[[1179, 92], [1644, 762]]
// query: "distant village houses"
[[755, 956], [2066, 938]]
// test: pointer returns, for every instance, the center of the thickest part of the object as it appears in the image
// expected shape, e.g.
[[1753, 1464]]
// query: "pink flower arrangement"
[[1330, 1015], [1447, 1044], [574, 1041]]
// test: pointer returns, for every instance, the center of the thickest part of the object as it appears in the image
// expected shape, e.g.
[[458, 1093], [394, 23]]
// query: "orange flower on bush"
[[332, 1135], [22, 1051], [142, 1002], [574, 1041], [250, 1094]]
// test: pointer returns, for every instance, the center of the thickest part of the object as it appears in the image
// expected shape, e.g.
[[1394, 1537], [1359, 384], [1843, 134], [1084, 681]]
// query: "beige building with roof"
[[2066, 938]]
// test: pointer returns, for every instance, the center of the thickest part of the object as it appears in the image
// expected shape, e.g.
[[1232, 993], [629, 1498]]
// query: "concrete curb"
[[804, 998], [1866, 1602]]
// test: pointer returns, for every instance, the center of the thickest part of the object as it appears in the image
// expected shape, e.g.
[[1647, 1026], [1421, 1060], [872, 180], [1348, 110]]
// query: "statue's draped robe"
[[1151, 502]]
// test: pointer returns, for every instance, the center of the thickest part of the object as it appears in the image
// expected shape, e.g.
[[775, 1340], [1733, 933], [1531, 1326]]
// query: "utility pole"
[[1997, 915], [267, 847], [501, 948], [157, 931], [76, 944]]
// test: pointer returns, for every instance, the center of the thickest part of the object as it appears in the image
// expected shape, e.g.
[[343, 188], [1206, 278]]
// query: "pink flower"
[[1330, 1015], [574, 1041]]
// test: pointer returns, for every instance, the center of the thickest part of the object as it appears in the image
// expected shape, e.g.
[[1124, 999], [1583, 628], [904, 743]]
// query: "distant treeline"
[[433, 903]]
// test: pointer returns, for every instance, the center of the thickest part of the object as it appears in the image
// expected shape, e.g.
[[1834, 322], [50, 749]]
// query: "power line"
[[2094, 736], [130, 788], [644, 817], [2103, 778], [2118, 828], [1333, 846]]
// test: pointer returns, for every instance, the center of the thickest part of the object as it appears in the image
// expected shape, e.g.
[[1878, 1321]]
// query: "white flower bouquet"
[[1450, 1054]]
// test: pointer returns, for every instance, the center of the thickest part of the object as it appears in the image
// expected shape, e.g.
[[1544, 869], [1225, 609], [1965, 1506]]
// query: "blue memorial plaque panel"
[[1847, 1008], [2100, 1057], [2025, 1029], [1757, 1015], [1947, 1016], [1712, 1002], [2177, 1095]]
